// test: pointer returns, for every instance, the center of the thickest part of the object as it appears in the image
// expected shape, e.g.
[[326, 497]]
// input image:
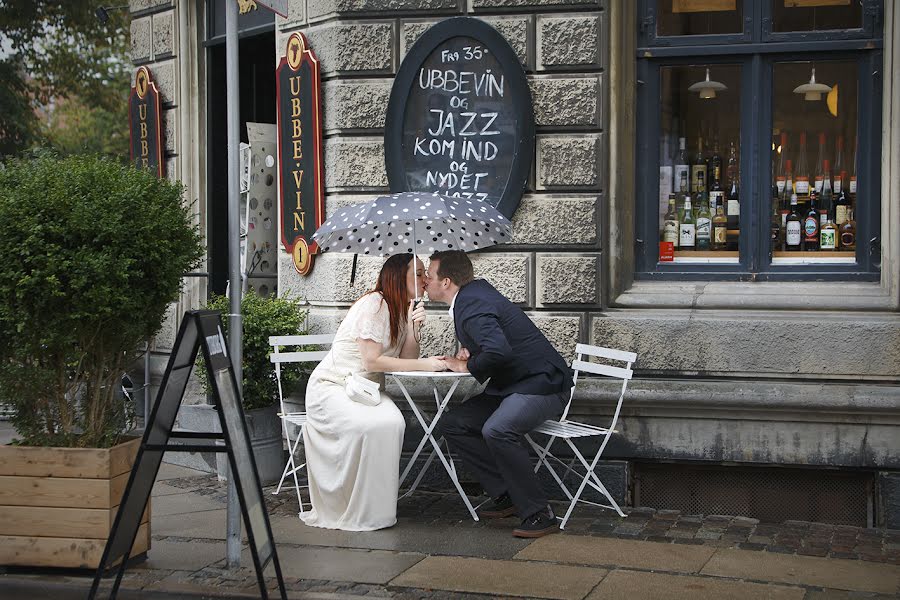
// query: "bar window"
[[699, 17], [700, 173], [814, 174], [815, 15]]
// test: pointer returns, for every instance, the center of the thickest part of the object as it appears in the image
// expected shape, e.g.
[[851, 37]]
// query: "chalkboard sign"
[[199, 330], [460, 119]]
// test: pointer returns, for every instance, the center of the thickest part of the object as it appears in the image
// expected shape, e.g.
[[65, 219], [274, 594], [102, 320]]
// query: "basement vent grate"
[[770, 495]]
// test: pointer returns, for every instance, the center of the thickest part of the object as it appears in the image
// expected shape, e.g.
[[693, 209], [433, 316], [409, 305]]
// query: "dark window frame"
[[757, 54]]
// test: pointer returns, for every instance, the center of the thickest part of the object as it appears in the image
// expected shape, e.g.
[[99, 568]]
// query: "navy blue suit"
[[529, 383]]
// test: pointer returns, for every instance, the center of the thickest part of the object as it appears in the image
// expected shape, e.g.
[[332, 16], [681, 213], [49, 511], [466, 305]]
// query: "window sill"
[[757, 295]]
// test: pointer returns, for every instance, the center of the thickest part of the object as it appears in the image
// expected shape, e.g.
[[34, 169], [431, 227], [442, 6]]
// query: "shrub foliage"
[[262, 318], [93, 255]]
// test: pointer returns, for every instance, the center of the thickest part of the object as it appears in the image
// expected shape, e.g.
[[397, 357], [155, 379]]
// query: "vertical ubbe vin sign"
[[144, 124], [301, 171]]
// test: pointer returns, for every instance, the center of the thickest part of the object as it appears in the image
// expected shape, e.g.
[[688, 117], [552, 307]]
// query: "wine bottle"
[[825, 198], [838, 166], [687, 228], [801, 176], [698, 166], [720, 229], [820, 164], [811, 226], [793, 237], [780, 169], [842, 204], [670, 223], [682, 166], [848, 233]]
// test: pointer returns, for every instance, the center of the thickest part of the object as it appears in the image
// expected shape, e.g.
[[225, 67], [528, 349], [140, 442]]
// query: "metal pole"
[[233, 512]]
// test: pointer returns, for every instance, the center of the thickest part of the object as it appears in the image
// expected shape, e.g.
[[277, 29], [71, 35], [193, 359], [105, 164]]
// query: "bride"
[[353, 448]]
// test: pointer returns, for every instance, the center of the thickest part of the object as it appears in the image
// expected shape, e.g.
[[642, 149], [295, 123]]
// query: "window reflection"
[[815, 15], [699, 175], [813, 217], [698, 17]]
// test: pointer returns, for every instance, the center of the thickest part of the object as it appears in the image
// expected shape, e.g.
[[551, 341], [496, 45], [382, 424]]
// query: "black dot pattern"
[[386, 225]]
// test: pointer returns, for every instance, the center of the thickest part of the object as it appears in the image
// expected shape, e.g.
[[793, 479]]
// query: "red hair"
[[392, 285]]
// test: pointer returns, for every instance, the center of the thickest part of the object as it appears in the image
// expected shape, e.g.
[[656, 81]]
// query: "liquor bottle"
[[780, 172], [811, 226], [682, 167], [848, 233], [842, 204], [776, 228], [825, 198], [719, 229], [687, 237], [787, 192], [685, 191], [801, 177], [838, 167], [670, 223], [716, 193], [733, 205], [853, 174], [699, 195], [714, 161], [698, 166], [820, 164], [704, 227], [828, 235], [793, 237]]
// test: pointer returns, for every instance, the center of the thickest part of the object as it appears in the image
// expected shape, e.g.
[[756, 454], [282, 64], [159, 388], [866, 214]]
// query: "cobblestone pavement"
[[668, 526]]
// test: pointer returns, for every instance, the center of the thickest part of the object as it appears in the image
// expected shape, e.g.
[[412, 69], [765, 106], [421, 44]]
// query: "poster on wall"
[[144, 123], [460, 117], [301, 172]]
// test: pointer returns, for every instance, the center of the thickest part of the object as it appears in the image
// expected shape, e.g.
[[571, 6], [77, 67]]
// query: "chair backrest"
[[582, 364], [278, 358]]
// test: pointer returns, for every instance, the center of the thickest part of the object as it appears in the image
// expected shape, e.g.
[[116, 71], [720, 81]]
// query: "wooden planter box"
[[57, 505]]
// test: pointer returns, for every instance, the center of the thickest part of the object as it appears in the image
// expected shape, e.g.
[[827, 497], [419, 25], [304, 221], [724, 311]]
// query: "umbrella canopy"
[[413, 222]]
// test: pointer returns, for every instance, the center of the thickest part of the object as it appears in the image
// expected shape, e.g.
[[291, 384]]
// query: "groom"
[[530, 383]]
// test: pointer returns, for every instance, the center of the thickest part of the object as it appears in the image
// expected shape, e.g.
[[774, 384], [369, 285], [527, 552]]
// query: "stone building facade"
[[739, 375]]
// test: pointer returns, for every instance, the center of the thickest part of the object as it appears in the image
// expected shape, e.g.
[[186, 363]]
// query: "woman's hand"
[[433, 363], [415, 315]]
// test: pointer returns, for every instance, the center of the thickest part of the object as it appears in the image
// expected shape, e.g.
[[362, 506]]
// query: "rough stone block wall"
[[154, 44], [552, 267]]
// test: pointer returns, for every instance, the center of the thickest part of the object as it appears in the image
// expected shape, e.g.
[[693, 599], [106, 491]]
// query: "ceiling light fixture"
[[707, 88], [812, 91]]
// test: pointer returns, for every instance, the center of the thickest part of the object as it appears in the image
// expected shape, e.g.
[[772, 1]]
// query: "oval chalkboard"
[[460, 119]]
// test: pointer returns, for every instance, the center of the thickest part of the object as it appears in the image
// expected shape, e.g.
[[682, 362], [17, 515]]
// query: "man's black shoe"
[[500, 508], [537, 525]]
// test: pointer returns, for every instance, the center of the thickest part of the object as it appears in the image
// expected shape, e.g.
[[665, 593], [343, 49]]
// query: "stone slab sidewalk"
[[437, 551]]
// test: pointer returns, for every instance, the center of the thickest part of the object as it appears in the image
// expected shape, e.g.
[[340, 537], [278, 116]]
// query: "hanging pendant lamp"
[[707, 88], [812, 91]]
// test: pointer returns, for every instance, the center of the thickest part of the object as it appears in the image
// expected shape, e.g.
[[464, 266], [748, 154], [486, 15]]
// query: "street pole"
[[233, 511]]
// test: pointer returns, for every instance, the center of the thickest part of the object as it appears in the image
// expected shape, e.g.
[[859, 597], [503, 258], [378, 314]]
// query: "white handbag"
[[362, 390]]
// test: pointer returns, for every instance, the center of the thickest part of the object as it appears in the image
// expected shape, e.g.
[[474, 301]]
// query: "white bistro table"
[[440, 406]]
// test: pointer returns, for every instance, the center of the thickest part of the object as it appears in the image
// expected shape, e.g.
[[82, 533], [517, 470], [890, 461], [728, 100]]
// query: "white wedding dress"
[[353, 450]]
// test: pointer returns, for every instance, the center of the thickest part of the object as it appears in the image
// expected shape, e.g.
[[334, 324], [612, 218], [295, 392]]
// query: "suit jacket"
[[505, 345]]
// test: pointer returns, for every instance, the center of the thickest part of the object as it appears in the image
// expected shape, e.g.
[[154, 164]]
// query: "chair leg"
[[542, 459], [543, 452], [289, 466], [591, 475]]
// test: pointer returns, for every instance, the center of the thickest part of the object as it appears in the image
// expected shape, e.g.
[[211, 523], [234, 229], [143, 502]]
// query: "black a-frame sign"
[[199, 329]]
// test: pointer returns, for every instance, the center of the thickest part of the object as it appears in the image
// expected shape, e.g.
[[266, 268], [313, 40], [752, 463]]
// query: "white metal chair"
[[570, 430], [295, 418]]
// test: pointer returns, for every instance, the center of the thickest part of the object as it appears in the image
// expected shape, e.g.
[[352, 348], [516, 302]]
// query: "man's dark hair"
[[455, 265]]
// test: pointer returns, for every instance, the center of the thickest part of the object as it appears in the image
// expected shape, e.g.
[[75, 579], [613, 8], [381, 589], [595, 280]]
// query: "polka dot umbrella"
[[415, 222]]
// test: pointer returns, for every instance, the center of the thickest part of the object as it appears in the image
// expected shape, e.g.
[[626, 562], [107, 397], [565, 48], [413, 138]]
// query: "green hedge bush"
[[93, 254], [262, 318]]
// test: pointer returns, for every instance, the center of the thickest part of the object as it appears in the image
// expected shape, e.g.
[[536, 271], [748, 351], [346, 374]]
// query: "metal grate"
[[770, 495]]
